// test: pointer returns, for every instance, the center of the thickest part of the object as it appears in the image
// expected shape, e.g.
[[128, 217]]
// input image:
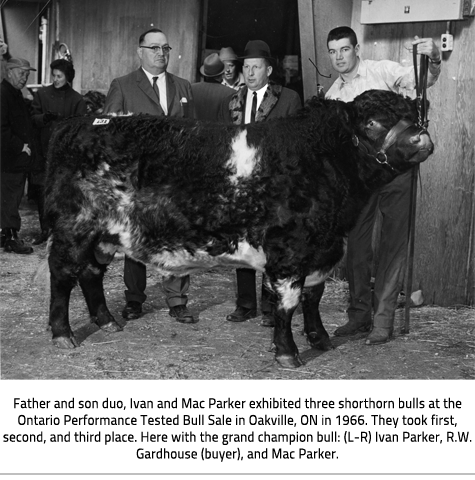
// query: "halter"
[[421, 99], [421, 88], [391, 137]]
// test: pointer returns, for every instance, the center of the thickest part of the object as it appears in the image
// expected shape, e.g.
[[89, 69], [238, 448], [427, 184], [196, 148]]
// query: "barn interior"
[[101, 38]]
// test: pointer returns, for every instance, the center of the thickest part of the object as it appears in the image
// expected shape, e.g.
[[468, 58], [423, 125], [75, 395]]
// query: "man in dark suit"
[[151, 89], [209, 95], [258, 101], [18, 152]]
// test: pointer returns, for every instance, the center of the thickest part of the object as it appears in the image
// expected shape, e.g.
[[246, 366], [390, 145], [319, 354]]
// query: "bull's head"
[[388, 130]]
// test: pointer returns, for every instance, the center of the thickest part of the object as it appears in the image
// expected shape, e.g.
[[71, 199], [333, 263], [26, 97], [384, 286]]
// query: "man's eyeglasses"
[[156, 48]]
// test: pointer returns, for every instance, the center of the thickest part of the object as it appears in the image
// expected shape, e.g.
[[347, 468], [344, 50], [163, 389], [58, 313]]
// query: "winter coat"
[[17, 129], [65, 101]]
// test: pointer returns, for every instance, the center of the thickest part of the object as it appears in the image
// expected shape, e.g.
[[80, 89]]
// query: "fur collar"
[[237, 104]]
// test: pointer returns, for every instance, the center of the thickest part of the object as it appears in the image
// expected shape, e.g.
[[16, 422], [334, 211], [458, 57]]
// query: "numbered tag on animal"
[[101, 121]]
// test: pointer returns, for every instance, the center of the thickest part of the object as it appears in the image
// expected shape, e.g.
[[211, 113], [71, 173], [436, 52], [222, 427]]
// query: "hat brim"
[[22, 68], [257, 54], [202, 71], [229, 59]]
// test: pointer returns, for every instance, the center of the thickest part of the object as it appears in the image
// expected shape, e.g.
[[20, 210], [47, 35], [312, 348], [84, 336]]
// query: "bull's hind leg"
[[91, 283], [62, 281], [317, 336], [287, 293]]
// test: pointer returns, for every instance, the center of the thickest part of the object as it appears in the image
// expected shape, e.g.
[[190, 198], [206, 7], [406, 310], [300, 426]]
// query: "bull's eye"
[[371, 123]]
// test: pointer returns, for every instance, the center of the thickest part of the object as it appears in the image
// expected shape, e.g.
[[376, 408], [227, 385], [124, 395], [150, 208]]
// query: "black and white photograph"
[[270, 191]]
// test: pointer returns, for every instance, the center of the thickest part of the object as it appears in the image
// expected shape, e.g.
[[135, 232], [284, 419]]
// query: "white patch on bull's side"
[[243, 158], [103, 168], [316, 278], [107, 248], [247, 255], [182, 262], [124, 234], [120, 114], [290, 295]]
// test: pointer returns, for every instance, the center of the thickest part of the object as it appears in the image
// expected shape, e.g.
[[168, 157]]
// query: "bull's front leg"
[[317, 336], [92, 286], [287, 293], [61, 285]]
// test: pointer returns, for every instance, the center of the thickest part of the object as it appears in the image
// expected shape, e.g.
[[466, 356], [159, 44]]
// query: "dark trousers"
[[393, 201], [246, 291], [135, 278], [37, 192], [12, 188]]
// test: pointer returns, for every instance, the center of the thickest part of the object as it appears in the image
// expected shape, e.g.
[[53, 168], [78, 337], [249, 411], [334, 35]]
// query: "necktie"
[[155, 88], [254, 107]]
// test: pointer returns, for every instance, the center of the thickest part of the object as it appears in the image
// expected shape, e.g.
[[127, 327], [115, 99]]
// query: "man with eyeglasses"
[[152, 90], [18, 152]]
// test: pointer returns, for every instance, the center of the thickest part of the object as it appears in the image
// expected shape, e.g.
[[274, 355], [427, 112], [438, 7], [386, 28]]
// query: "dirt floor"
[[441, 344]]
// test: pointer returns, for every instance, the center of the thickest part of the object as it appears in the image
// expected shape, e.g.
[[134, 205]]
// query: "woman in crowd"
[[51, 104]]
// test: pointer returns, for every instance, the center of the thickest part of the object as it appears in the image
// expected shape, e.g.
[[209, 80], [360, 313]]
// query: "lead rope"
[[421, 91]]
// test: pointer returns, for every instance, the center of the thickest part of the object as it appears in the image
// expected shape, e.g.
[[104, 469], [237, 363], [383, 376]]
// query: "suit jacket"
[[208, 98], [278, 102], [17, 129], [133, 93]]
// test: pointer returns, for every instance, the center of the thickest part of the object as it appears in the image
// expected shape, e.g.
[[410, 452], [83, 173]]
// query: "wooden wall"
[[316, 19], [21, 32], [445, 244], [103, 36], [445, 233]]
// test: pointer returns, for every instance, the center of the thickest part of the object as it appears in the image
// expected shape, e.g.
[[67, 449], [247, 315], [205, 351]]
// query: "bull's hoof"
[[111, 327], [319, 343], [65, 343], [289, 361]]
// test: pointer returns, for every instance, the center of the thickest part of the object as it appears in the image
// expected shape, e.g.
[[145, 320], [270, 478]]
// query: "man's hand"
[[26, 149], [426, 46], [50, 116]]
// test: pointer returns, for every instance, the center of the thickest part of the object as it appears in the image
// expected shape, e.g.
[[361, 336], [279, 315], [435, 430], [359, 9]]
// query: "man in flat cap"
[[258, 101], [233, 76], [17, 152], [209, 95]]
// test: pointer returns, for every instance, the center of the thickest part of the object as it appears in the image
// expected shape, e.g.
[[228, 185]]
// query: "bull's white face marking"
[[243, 158], [290, 295]]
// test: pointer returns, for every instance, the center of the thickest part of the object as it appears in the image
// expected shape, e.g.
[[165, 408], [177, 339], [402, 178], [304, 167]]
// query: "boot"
[[14, 244], [379, 335], [353, 326]]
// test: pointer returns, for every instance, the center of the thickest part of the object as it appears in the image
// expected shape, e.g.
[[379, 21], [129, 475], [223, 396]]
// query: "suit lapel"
[[144, 85], [171, 92], [271, 97], [237, 105]]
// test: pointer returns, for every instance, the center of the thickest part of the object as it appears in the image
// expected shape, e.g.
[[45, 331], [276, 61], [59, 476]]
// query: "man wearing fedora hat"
[[233, 76], [258, 101], [18, 152], [209, 95]]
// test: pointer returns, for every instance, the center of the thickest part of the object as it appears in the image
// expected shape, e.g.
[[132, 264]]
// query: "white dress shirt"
[[260, 96], [162, 88], [380, 75]]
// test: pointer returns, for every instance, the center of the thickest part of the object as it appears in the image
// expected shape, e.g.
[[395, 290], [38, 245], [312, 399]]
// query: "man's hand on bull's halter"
[[426, 46]]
